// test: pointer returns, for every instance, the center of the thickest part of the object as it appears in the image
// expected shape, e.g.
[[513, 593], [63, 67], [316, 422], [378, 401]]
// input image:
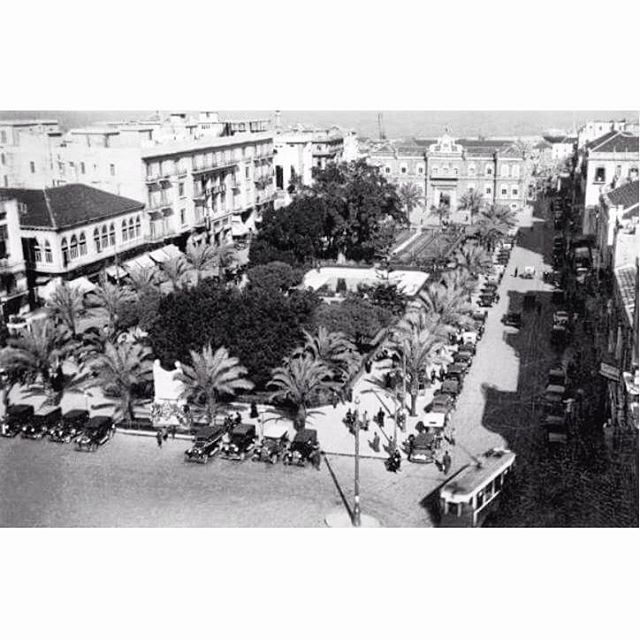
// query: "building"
[[609, 161], [301, 150], [74, 231], [194, 173], [446, 168], [595, 129], [13, 277], [562, 147]]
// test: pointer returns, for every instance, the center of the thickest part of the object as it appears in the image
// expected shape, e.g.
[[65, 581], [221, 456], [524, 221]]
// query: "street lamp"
[[356, 504]]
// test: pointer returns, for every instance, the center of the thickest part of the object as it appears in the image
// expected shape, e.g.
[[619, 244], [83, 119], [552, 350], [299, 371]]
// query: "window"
[[104, 237], [32, 166], [479, 499], [132, 231], [387, 170], [37, 253], [83, 244], [472, 186], [600, 174], [514, 192], [633, 173], [112, 234], [420, 169], [65, 252], [3, 137], [515, 170], [180, 189], [96, 239], [434, 171], [48, 256], [472, 170], [183, 217], [445, 171], [488, 170], [403, 169], [6, 180], [504, 171], [503, 190], [488, 189], [137, 226], [73, 249], [125, 235], [2, 158], [618, 170], [246, 172], [82, 168], [112, 169], [498, 483], [455, 171]]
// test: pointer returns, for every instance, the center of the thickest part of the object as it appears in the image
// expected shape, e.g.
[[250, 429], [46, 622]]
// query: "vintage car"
[[463, 358], [470, 337], [561, 318], [241, 441], [71, 426], [17, 418], [499, 268], [275, 441], [421, 447], [528, 273], [96, 432], [489, 286], [207, 443], [554, 394], [487, 299], [442, 403], [557, 376], [512, 320], [559, 336], [43, 422], [479, 316], [436, 421], [303, 448], [467, 347], [556, 428], [455, 371], [450, 387]]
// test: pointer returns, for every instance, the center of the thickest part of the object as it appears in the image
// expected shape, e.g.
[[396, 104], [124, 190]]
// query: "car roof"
[[555, 388], [99, 421], [74, 414], [244, 428], [47, 411], [432, 419], [20, 409], [306, 434], [449, 384], [275, 430]]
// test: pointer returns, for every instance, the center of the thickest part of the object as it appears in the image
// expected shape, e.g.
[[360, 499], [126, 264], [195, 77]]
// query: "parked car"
[[512, 320], [467, 347], [207, 444], [275, 442], [241, 442], [450, 387], [455, 372], [463, 358], [71, 426], [44, 420], [96, 433], [553, 394], [421, 447], [442, 403], [561, 318], [557, 377], [17, 418], [528, 273], [559, 337], [487, 299], [557, 429], [558, 296], [304, 448]]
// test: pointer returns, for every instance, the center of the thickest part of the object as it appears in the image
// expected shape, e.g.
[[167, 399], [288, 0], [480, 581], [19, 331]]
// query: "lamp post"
[[356, 503]]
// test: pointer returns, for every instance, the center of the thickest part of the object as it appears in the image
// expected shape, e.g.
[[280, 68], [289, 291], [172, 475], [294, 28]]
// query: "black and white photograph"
[[323, 318]]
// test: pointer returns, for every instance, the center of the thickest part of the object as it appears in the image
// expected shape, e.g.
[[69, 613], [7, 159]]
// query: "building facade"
[[13, 276], [444, 169]]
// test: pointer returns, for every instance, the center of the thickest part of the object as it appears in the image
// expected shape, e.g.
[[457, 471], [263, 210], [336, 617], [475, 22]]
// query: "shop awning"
[[141, 262], [172, 251], [115, 272], [159, 255], [84, 285], [239, 228]]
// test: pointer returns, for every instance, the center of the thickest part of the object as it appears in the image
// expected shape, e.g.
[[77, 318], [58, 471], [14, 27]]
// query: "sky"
[[396, 123]]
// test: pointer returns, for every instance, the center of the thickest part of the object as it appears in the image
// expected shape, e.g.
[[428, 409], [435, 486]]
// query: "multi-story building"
[[609, 161], [595, 129], [75, 230], [193, 174], [445, 168], [13, 279], [562, 146]]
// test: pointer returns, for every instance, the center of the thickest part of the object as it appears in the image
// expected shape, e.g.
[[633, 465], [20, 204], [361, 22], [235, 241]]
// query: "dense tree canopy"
[[274, 275]]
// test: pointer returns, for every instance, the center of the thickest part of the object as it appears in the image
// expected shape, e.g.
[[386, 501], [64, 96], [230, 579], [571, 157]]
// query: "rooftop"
[[625, 196], [68, 205], [626, 282], [615, 141]]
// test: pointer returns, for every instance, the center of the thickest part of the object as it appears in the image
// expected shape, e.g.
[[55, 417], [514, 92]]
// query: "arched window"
[[489, 169], [515, 170], [37, 253], [48, 256], [104, 237], [125, 234], [96, 239], [472, 169], [504, 169], [83, 244], [65, 252], [131, 229], [112, 234], [138, 226], [73, 249]]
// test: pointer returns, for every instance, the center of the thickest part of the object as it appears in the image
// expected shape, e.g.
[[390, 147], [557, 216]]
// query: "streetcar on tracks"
[[472, 493]]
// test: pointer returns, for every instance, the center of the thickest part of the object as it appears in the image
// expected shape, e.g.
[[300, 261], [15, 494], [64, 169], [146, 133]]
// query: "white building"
[[13, 279], [595, 129]]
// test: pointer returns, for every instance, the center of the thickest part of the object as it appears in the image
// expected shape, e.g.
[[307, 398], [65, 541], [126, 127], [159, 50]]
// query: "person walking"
[[159, 438], [515, 273], [334, 399], [375, 445], [381, 417], [446, 462], [434, 377], [173, 431]]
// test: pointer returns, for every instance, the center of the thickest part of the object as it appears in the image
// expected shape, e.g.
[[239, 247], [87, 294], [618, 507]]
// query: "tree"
[[122, 372], [66, 305], [226, 257], [143, 279], [386, 296], [494, 223], [443, 212], [112, 299], [332, 348], [418, 340], [410, 197], [474, 259], [212, 375], [175, 270], [524, 147], [299, 381], [449, 304], [201, 258], [147, 307], [274, 275], [472, 201], [36, 354]]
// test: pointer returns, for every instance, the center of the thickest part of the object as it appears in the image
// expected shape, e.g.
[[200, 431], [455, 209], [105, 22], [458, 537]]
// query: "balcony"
[[226, 164]]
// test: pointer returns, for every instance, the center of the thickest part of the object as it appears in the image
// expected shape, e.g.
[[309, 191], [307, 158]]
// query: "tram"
[[468, 497]]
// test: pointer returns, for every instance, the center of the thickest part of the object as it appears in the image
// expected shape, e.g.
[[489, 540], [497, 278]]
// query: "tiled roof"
[[560, 139], [626, 281], [68, 205], [631, 213], [620, 141], [626, 195]]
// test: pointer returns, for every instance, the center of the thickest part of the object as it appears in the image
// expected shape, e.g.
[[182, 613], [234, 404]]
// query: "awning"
[[159, 255], [84, 285], [115, 272], [172, 251], [141, 262], [239, 228]]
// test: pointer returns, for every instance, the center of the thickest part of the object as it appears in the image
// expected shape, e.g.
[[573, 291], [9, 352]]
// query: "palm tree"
[[410, 197], [331, 347], [143, 279], [111, 298], [212, 375], [418, 339], [473, 259], [442, 211], [458, 280], [473, 201], [450, 305], [494, 223], [226, 256], [298, 381], [121, 372], [66, 305], [36, 354], [201, 258], [175, 269]]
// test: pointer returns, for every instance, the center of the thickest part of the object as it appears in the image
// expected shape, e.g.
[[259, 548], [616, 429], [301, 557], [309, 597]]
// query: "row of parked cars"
[[241, 442], [48, 422]]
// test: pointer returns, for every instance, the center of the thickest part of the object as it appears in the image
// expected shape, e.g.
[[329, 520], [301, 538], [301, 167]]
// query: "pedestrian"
[[515, 273], [367, 366], [173, 431], [434, 377], [381, 417], [365, 421], [254, 410], [446, 462], [334, 399], [159, 438], [165, 434], [375, 445]]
